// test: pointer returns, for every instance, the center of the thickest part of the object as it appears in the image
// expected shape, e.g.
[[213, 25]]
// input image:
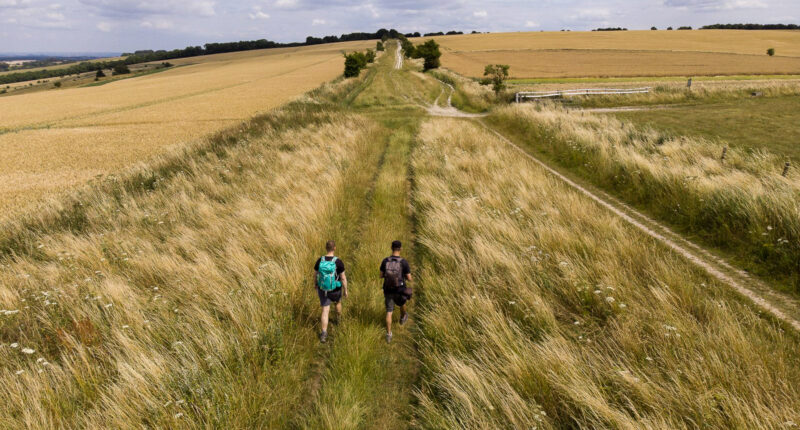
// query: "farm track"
[[778, 305]]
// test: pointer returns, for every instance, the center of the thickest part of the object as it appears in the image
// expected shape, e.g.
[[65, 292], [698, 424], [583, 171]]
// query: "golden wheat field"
[[629, 53], [52, 140]]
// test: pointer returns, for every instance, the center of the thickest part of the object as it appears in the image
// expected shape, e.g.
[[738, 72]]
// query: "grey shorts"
[[393, 299], [328, 297]]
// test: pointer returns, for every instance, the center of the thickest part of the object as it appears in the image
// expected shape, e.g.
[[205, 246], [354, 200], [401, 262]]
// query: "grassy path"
[[361, 381]]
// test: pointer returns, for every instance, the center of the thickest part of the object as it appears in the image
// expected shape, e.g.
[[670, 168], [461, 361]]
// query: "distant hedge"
[[751, 27]]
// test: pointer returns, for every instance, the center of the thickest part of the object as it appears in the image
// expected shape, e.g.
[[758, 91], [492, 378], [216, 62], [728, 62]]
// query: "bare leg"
[[389, 322], [325, 311], [339, 309], [402, 311]]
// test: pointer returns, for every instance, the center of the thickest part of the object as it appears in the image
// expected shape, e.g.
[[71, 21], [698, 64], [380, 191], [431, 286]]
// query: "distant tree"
[[121, 69], [166, 64], [669, 28], [99, 74], [771, 52], [4, 66], [685, 27], [496, 75], [379, 47], [57, 84], [429, 51], [653, 28]]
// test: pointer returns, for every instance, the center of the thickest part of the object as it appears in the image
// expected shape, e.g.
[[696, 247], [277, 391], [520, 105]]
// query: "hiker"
[[331, 285], [395, 271]]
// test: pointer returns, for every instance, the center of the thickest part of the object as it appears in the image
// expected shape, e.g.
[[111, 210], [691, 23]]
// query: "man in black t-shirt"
[[332, 296], [395, 272]]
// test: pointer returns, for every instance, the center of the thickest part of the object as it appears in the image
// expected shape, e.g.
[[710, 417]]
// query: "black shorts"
[[391, 299], [328, 297]]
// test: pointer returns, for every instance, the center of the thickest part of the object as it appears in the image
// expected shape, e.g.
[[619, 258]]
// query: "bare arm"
[[408, 277], [344, 283]]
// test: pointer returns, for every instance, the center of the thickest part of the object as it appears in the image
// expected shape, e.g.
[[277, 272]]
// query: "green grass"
[[756, 123]]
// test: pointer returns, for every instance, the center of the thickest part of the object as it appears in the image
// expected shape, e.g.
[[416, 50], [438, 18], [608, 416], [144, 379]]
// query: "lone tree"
[[496, 75], [771, 52], [429, 51], [100, 74]]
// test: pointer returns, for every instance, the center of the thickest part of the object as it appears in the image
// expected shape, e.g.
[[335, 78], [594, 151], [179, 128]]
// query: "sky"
[[127, 25]]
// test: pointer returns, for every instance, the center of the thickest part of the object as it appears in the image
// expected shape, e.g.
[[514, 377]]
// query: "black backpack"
[[394, 272]]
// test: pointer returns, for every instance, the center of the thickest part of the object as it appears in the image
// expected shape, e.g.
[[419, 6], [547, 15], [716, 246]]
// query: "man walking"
[[395, 271], [331, 285]]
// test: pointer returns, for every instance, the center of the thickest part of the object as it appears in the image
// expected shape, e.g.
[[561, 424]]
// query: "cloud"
[[158, 24], [531, 24], [480, 14], [318, 21], [258, 13], [286, 4], [715, 5], [104, 27], [126, 8], [14, 4]]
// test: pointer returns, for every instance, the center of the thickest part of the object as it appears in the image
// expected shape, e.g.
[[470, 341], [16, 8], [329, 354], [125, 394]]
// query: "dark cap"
[[397, 245]]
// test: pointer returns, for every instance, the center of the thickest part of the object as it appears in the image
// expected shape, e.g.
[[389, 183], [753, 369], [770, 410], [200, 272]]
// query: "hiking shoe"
[[403, 319], [323, 337], [388, 338]]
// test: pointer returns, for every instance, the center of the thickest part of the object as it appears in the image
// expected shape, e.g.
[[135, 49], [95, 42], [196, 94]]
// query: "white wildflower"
[[598, 292], [14, 345], [108, 305], [610, 299], [180, 402], [512, 303], [168, 403], [648, 358], [20, 372], [14, 312], [28, 351], [125, 327], [623, 305], [577, 323]]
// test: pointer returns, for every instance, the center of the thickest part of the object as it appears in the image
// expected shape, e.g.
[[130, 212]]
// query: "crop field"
[[178, 293], [52, 140], [631, 53]]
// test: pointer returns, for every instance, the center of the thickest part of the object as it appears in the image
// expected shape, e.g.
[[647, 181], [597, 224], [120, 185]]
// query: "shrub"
[[379, 47], [353, 63], [686, 27], [370, 56], [653, 28], [771, 52], [669, 28], [57, 85], [166, 64], [121, 69], [100, 74], [430, 52], [496, 75]]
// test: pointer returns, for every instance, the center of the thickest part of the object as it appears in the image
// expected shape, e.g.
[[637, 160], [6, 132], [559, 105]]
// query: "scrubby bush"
[[429, 51], [771, 52], [121, 69], [353, 63], [370, 56], [379, 47], [57, 84], [100, 74], [496, 75]]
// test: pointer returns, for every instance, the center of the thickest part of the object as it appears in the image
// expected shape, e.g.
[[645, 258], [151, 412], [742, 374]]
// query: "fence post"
[[724, 154], [689, 84], [785, 169]]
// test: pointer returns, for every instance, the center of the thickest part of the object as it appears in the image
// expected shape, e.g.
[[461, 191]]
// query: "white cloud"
[[104, 27], [715, 5], [531, 24], [369, 7], [285, 4], [158, 24], [258, 13], [480, 14], [14, 3], [152, 7], [318, 21]]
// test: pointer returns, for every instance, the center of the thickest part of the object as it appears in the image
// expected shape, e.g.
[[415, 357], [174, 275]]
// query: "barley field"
[[52, 140], [630, 53]]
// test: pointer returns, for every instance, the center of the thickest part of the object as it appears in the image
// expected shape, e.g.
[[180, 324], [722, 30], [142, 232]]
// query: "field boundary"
[[778, 305]]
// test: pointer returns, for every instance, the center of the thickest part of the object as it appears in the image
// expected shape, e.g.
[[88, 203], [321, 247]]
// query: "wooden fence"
[[580, 92]]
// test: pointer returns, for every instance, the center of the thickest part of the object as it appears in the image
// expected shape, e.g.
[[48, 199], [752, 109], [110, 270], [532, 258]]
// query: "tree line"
[[146, 56], [751, 27]]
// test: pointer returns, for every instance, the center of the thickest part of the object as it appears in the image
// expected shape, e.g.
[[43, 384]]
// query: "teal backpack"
[[326, 275]]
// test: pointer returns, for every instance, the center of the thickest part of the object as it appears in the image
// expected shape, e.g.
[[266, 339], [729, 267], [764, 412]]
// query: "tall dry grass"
[[543, 310], [742, 205], [178, 294]]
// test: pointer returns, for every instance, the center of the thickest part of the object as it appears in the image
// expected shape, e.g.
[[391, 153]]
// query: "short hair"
[[397, 245], [330, 245]]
